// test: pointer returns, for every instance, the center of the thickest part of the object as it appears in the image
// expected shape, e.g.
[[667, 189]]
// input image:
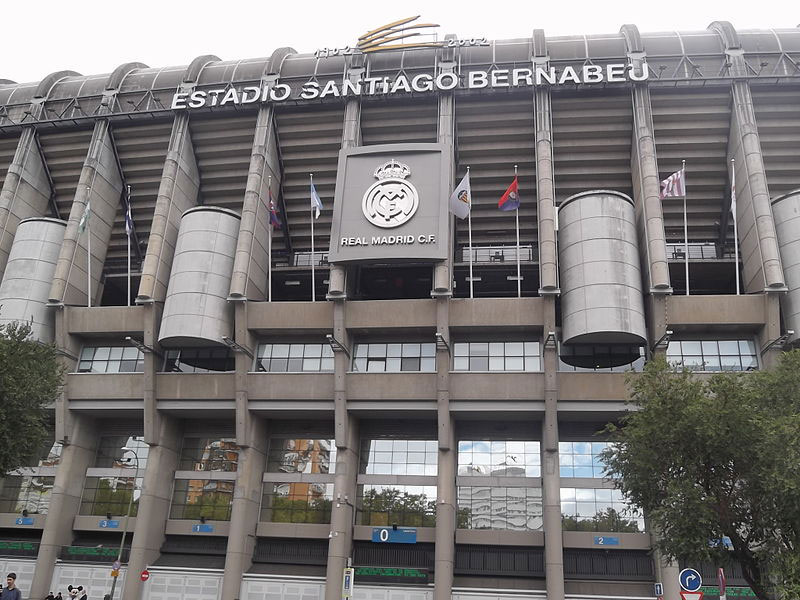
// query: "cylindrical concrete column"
[[65, 500], [29, 273], [196, 311], [601, 281], [786, 210]]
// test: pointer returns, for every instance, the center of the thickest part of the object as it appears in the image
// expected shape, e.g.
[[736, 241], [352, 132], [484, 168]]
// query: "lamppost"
[[127, 517]]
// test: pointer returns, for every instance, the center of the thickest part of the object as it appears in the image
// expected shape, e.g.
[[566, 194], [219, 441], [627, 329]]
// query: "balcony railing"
[[499, 254], [698, 251]]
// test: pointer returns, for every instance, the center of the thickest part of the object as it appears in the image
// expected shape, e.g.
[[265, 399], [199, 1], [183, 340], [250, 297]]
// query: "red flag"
[[510, 200], [273, 215]]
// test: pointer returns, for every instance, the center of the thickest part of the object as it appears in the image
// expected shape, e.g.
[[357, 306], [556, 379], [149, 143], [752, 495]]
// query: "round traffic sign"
[[145, 575], [690, 580]]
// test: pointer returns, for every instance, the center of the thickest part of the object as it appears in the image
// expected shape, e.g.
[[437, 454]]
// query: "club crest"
[[391, 201]]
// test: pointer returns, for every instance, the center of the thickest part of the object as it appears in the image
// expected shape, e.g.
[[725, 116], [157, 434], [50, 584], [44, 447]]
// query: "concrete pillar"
[[26, 191], [761, 261], [65, 500], [244, 513], [340, 546], [251, 263], [180, 185], [100, 184], [644, 174], [154, 503], [545, 181], [551, 480], [446, 498], [351, 138]]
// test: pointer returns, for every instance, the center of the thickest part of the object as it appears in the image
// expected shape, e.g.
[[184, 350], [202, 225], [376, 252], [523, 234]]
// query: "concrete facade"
[[271, 437]]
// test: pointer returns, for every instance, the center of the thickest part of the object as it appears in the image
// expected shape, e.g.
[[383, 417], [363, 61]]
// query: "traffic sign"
[[690, 580], [144, 575], [658, 589], [691, 595]]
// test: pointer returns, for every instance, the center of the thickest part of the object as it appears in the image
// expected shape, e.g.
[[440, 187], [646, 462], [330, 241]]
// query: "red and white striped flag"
[[674, 186]]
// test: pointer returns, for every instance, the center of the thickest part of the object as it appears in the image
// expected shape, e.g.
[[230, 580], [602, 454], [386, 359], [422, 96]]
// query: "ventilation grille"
[[693, 126], [508, 561], [493, 135], [778, 119], [591, 142], [188, 544], [291, 551], [608, 564], [368, 554]]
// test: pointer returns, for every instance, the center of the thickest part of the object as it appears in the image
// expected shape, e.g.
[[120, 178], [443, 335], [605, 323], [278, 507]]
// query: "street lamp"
[[127, 517]]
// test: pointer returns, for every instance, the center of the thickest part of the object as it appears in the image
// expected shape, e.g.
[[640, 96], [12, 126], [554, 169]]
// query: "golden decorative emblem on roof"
[[381, 39]]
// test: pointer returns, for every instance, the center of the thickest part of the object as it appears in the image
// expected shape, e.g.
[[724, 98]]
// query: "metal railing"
[[499, 254], [697, 251]]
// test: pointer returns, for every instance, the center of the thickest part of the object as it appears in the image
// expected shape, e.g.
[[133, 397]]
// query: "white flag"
[[316, 203], [674, 186], [87, 212], [461, 199]]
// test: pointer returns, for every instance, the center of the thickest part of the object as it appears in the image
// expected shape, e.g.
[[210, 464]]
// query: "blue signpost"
[[390, 535], [606, 540], [202, 528], [690, 580], [24, 521]]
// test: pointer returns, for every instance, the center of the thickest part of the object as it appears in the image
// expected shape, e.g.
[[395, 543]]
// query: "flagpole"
[[313, 281], [88, 251], [269, 241], [735, 225], [685, 228], [127, 227], [469, 228], [516, 213]]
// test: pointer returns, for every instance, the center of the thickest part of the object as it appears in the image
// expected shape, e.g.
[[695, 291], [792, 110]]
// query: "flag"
[[316, 203], [733, 198], [128, 218], [273, 215], [510, 200], [673, 186], [87, 212], [461, 199]]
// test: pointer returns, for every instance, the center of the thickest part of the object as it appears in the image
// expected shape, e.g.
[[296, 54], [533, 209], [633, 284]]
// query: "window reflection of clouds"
[[399, 457], [499, 458]]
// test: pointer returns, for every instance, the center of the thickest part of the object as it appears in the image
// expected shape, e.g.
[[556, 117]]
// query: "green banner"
[[407, 575], [18, 546], [91, 551], [732, 592]]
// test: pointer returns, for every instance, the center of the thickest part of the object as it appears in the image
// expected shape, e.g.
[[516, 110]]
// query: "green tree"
[[719, 456], [30, 379], [392, 506], [608, 520]]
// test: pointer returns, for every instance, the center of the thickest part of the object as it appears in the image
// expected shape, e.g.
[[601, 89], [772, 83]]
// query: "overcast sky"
[[38, 37]]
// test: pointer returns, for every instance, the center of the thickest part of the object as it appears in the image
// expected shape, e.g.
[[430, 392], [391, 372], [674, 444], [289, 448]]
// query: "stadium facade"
[[444, 387]]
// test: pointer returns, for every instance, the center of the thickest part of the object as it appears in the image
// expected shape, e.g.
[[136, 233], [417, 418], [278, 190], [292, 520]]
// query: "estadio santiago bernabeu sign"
[[278, 91], [390, 203]]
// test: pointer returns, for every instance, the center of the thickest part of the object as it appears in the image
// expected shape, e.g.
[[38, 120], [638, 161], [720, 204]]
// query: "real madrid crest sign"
[[402, 215], [392, 200]]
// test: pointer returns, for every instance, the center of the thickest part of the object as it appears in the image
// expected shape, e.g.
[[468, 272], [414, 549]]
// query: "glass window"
[[209, 454], [111, 359], [497, 356], [499, 458], [110, 495], [405, 505], [297, 502], [581, 459], [208, 498], [31, 493], [294, 358], [607, 358], [110, 454], [393, 358], [713, 355], [301, 455], [398, 457], [488, 507], [598, 510], [199, 360]]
